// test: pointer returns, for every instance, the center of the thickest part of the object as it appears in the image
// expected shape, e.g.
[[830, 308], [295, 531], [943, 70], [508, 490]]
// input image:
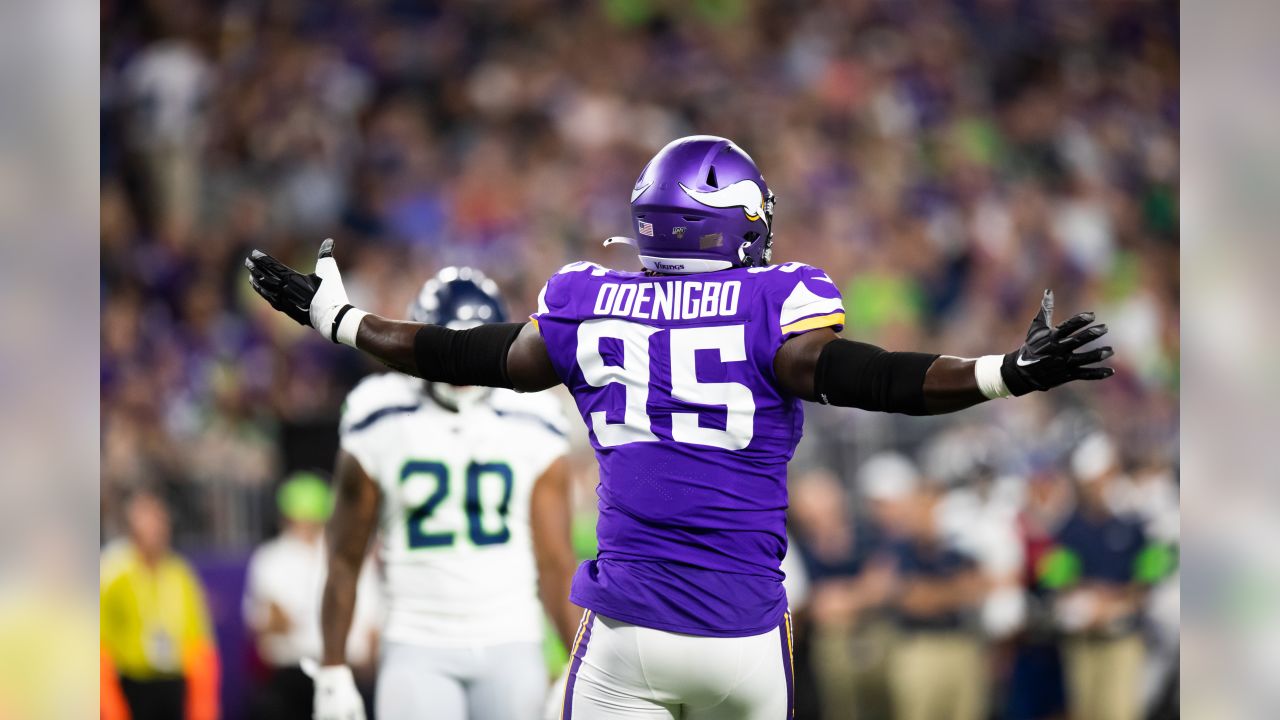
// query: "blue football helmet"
[[458, 298]]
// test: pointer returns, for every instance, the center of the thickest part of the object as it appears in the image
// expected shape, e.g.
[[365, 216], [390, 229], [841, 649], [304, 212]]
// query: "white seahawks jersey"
[[455, 547]]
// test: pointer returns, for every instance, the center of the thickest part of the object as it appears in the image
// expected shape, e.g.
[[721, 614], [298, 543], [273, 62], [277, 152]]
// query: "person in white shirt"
[[282, 602]]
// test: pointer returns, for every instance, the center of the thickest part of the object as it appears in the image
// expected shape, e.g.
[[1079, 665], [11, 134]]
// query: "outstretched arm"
[[823, 367], [510, 355]]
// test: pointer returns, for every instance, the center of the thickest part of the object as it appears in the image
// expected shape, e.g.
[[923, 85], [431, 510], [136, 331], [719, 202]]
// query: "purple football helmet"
[[701, 205]]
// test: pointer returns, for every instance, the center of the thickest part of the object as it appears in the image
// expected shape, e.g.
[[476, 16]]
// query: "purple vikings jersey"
[[674, 378]]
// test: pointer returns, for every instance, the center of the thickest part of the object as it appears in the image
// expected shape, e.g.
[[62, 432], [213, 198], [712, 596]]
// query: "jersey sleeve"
[[804, 299], [556, 295], [558, 314]]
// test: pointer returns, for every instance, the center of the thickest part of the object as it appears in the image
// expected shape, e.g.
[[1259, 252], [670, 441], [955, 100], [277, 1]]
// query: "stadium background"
[[943, 161]]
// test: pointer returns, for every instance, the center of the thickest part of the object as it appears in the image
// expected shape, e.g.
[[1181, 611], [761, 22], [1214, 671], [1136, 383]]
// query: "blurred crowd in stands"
[[944, 161]]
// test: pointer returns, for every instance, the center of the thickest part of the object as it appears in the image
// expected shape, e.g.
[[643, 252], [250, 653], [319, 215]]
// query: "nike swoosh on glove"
[[1048, 358]]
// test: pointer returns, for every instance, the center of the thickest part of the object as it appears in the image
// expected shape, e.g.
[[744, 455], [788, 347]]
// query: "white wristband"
[[349, 326], [990, 382]]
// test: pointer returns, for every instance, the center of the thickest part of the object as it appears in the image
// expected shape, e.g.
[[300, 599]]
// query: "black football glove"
[[318, 300], [1048, 358]]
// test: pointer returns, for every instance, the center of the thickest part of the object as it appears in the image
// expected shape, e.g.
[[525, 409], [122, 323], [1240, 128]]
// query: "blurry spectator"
[[1035, 683], [1150, 496], [938, 668], [849, 580], [979, 516], [1094, 567], [156, 637], [166, 87], [282, 602]]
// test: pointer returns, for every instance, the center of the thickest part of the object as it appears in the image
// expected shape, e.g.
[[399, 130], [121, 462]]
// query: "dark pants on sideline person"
[[159, 699], [287, 694]]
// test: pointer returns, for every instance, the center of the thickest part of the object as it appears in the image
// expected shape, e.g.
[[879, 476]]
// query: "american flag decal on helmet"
[[646, 228]]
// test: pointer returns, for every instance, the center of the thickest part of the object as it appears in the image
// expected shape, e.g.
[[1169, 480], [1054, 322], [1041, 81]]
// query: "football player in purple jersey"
[[690, 377]]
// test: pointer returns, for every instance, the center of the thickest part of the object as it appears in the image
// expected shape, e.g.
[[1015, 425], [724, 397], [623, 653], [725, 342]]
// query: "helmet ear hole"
[[748, 240], [711, 177]]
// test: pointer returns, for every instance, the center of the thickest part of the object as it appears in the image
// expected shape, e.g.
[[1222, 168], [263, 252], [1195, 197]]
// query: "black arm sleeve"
[[477, 356], [854, 374]]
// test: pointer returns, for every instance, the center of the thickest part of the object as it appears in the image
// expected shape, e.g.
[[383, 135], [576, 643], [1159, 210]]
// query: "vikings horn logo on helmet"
[[639, 189], [744, 193]]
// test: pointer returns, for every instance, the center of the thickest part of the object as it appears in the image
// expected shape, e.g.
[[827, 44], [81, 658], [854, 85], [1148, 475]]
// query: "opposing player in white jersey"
[[449, 474]]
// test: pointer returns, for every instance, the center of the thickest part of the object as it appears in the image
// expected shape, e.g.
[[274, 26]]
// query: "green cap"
[[305, 496]]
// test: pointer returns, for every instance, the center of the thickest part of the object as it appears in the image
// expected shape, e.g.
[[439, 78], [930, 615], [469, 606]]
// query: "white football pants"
[[619, 670], [497, 682]]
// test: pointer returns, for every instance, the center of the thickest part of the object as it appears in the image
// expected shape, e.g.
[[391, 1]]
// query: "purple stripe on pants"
[[784, 631], [580, 650]]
